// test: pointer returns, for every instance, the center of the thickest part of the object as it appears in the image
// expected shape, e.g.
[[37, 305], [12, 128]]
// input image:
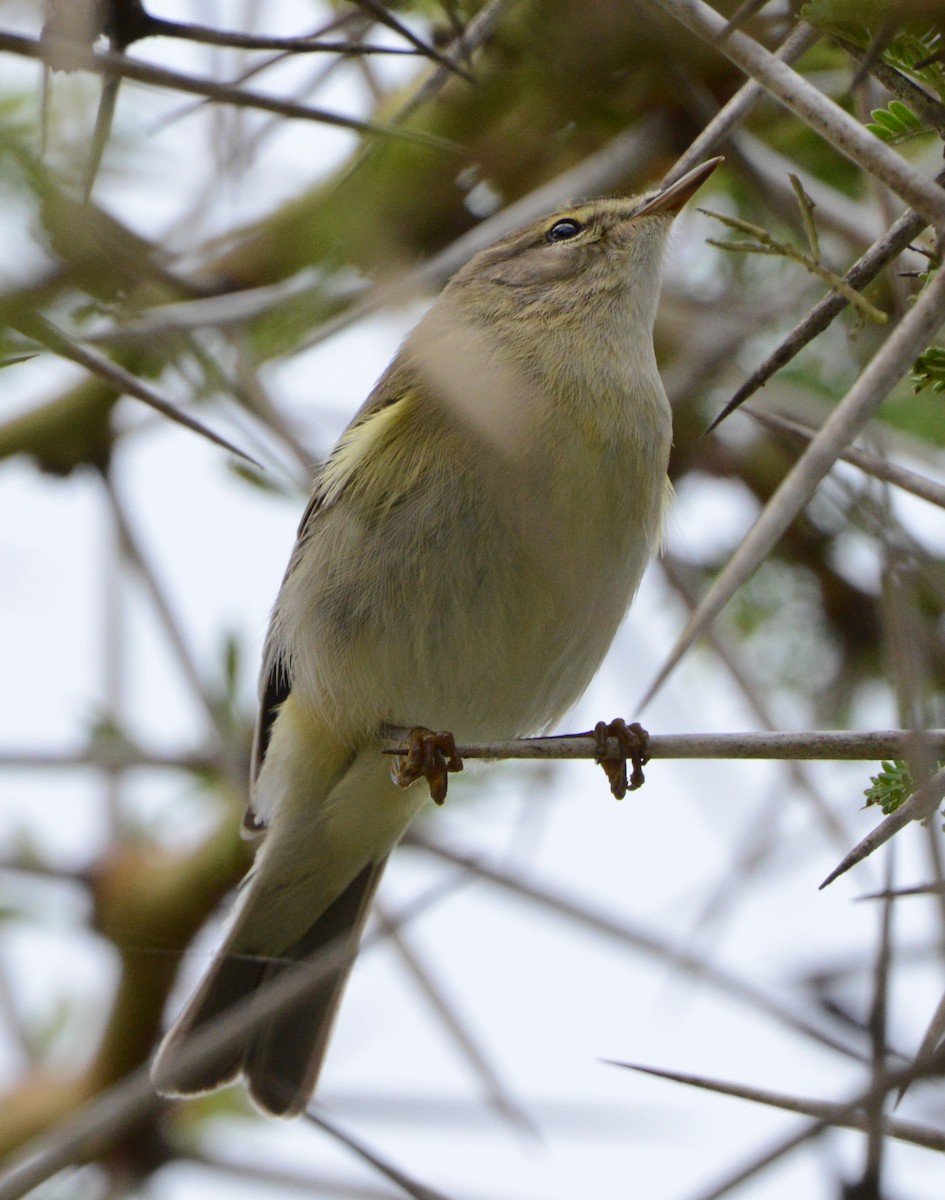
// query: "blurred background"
[[236, 210]]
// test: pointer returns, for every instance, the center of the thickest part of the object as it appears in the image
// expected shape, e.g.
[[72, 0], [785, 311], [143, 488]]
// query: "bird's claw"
[[634, 745], [430, 756]]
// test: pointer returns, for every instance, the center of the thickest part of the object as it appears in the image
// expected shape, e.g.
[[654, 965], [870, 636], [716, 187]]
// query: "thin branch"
[[719, 129], [828, 745], [870, 464], [876, 259], [767, 243], [499, 1097], [878, 1025], [475, 33], [385, 17], [46, 334], [836, 1115], [301, 44], [110, 64], [101, 1121], [880, 1087], [417, 1190], [814, 108], [631, 937], [859, 405]]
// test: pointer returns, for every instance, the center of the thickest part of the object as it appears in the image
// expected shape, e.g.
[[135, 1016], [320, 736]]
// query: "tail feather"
[[281, 1055]]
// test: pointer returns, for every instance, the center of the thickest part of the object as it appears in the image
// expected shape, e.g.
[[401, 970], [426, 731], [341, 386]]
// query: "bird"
[[468, 551]]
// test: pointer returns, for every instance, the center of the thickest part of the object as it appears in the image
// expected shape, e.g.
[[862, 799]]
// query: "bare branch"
[[40, 330], [907, 340], [836, 1115], [836, 126], [879, 256], [110, 64], [871, 464], [828, 745], [631, 937], [417, 1190]]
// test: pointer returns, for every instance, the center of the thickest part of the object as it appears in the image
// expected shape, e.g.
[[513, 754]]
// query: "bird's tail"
[[281, 1054]]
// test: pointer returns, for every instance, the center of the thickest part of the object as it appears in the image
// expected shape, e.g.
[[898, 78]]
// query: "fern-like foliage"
[[897, 123], [891, 787], [904, 43], [928, 370]]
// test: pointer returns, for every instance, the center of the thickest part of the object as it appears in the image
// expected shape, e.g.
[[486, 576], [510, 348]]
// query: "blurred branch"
[[497, 1093], [630, 937], [871, 464], [78, 1127], [722, 125], [107, 754], [417, 1190], [832, 1114], [861, 402], [111, 64], [46, 334]]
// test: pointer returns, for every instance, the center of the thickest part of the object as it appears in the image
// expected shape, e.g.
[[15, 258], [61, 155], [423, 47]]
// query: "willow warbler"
[[468, 551]]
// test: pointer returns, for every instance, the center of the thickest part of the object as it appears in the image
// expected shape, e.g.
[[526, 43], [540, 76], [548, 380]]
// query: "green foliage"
[[897, 123], [891, 787], [929, 370], [868, 23]]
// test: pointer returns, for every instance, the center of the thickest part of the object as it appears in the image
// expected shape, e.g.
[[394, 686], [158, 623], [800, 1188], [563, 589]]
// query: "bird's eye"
[[566, 228]]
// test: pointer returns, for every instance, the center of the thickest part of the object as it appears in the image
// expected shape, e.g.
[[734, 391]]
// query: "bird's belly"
[[489, 623]]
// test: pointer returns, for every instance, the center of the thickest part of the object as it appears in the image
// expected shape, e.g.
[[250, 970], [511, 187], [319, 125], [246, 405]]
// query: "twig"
[[827, 745], [806, 207], [879, 377], [767, 243], [101, 1121], [831, 1113], [813, 107], [417, 1190], [40, 330], [109, 64], [879, 255], [871, 464]]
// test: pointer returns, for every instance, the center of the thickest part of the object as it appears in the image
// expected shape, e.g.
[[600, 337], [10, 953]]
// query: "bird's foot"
[[634, 745], [431, 756]]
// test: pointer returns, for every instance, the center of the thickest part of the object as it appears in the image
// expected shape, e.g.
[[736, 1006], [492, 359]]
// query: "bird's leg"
[[431, 756], [634, 744]]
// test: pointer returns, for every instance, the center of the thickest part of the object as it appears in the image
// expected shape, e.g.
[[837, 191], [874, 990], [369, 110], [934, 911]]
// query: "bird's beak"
[[672, 198]]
